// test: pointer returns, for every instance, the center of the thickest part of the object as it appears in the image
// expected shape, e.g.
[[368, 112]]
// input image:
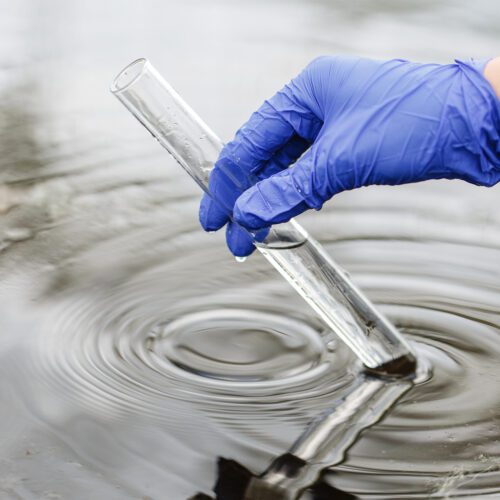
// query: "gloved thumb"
[[278, 198]]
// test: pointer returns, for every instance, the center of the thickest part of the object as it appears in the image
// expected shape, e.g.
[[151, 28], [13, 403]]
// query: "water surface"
[[135, 350]]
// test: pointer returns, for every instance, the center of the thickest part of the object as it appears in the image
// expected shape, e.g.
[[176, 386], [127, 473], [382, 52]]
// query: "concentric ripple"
[[147, 348], [258, 347], [200, 332]]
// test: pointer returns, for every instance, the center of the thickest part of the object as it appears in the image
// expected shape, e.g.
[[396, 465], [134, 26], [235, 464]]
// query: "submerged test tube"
[[299, 258]]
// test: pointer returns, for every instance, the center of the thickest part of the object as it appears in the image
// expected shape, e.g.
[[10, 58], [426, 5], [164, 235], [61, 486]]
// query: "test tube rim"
[[116, 88]]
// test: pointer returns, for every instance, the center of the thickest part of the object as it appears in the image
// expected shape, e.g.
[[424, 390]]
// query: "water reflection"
[[135, 351]]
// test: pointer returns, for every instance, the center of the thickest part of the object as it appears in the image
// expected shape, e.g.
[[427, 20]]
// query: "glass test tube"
[[298, 257]]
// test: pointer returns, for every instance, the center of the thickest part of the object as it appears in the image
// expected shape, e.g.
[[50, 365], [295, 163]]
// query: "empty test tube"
[[298, 257]]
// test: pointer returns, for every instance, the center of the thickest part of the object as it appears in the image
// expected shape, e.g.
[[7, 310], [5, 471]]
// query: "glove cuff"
[[485, 118]]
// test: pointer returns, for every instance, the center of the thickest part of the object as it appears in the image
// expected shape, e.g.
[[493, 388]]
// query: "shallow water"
[[135, 350]]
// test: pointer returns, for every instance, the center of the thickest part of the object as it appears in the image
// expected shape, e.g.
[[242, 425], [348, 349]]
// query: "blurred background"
[[102, 262]]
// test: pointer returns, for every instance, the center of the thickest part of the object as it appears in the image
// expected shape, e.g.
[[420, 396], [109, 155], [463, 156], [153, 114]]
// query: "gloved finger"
[[271, 127], [284, 157], [226, 183], [212, 216], [238, 240], [278, 198]]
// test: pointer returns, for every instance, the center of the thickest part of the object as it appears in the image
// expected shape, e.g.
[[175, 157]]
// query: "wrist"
[[492, 74]]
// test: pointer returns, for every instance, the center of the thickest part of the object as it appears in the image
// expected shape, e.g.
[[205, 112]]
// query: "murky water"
[[135, 350]]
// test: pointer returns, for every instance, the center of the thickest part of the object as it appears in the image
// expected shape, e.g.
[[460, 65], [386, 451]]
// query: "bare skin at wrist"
[[492, 74]]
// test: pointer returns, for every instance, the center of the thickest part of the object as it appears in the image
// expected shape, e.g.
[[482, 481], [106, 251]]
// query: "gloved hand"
[[347, 122]]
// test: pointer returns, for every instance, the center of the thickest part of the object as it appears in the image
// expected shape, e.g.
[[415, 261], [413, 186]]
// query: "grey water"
[[134, 350]]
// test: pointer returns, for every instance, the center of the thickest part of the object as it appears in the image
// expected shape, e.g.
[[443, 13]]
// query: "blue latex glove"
[[348, 122]]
